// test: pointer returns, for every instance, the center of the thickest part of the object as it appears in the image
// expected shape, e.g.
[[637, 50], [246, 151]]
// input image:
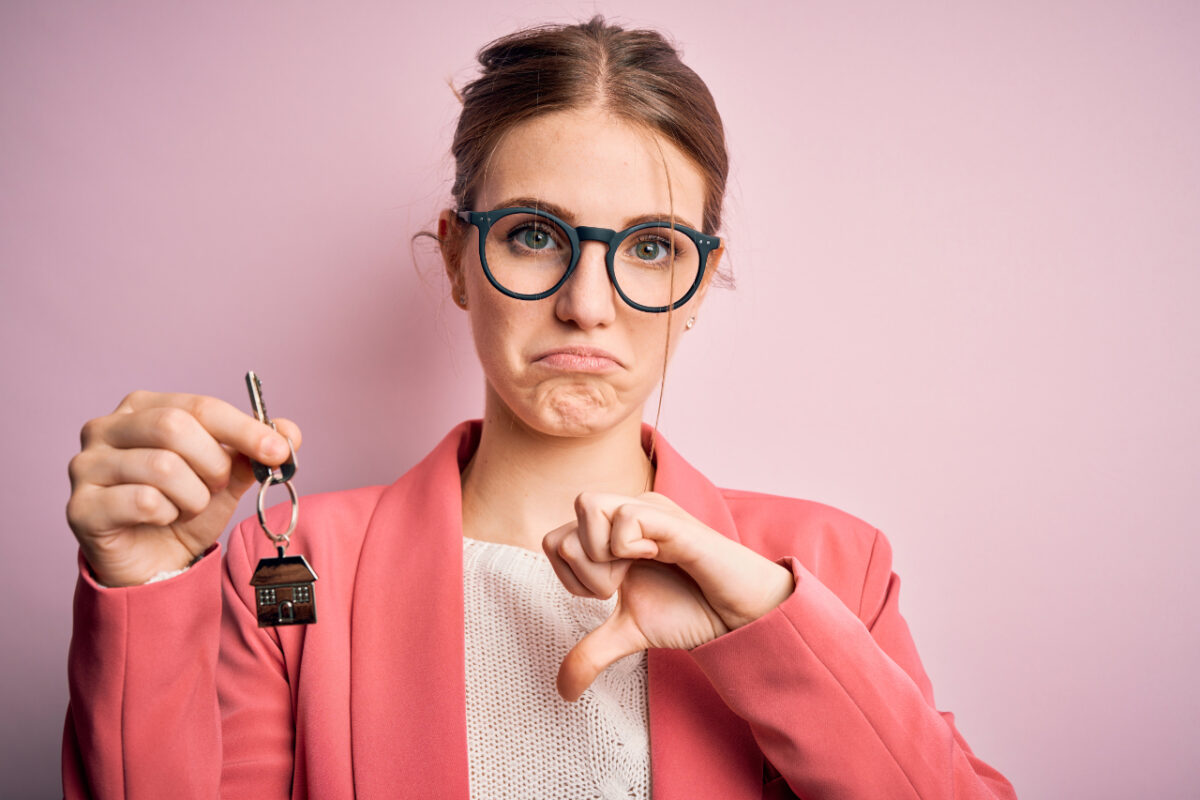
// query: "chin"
[[567, 408], [570, 421], [577, 410]]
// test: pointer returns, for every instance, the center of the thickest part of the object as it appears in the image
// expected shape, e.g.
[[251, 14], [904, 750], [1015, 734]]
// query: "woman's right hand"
[[156, 481]]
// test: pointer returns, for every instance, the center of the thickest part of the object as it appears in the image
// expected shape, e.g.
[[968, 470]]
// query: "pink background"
[[967, 254]]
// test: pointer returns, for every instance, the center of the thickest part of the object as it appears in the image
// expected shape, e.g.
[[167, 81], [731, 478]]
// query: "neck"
[[522, 483]]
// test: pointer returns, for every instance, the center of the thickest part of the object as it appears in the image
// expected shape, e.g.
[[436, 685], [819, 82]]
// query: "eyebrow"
[[569, 217]]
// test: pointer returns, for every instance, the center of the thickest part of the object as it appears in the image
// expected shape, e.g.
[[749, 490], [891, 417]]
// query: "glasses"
[[529, 254]]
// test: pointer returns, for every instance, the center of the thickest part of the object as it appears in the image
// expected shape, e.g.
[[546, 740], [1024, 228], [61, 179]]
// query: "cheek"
[[488, 334], [653, 341], [499, 327]]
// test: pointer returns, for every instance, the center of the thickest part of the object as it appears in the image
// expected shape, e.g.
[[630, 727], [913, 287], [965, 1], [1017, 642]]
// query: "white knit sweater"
[[523, 740]]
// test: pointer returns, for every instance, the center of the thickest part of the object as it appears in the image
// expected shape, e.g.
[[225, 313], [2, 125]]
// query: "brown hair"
[[635, 75]]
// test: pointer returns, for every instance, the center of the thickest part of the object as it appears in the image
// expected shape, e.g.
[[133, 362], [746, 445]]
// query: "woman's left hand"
[[680, 583]]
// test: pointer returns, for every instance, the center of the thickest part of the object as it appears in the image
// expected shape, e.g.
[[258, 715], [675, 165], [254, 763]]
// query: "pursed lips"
[[584, 359]]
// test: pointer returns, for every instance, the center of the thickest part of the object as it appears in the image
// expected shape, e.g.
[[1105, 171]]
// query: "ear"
[[451, 238], [710, 269]]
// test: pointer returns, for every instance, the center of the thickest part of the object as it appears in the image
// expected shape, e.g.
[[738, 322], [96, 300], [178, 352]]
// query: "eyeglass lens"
[[529, 254]]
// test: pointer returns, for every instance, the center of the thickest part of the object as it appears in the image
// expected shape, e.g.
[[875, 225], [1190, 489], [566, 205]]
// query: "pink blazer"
[[175, 691]]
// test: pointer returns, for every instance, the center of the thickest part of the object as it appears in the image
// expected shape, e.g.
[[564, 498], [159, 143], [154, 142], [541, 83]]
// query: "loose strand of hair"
[[662, 386]]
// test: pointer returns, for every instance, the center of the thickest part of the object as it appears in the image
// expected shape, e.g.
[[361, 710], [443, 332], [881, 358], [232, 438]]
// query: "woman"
[[703, 642]]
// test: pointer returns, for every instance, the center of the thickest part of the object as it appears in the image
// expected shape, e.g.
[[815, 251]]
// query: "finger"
[[224, 422], [196, 435], [107, 508], [602, 538], [676, 536], [163, 469], [170, 429], [627, 537], [569, 563], [616, 638], [594, 524], [551, 545], [578, 574]]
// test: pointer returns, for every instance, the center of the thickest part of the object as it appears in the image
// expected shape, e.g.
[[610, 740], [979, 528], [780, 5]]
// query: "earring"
[[690, 322], [462, 300]]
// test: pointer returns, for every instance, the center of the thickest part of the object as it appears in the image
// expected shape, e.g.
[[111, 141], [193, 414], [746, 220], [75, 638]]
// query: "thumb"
[[616, 638]]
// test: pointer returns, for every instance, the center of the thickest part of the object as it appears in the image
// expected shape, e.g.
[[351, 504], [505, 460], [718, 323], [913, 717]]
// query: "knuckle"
[[77, 467], [569, 548], [134, 399], [162, 464], [625, 513], [75, 512], [220, 477], [145, 500], [170, 423], [89, 432], [202, 406]]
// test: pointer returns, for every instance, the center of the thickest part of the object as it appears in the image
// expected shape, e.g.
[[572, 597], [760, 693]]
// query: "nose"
[[588, 298]]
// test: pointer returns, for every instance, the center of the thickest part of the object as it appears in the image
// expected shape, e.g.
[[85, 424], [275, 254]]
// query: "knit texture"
[[523, 740]]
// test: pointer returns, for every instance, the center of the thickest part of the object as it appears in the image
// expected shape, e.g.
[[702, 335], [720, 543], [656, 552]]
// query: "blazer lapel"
[[407, 695], [698, 747]]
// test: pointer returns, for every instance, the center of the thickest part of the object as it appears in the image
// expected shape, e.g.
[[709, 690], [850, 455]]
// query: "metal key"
[[287, 470]]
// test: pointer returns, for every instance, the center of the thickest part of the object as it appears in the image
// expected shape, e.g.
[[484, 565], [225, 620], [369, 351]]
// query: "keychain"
[[283, 586]]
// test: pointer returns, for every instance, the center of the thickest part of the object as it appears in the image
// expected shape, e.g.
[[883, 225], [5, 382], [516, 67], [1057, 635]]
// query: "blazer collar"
[[407, 695]]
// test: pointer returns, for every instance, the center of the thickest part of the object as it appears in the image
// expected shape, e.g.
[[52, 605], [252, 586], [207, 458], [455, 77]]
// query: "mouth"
[[579, 359]]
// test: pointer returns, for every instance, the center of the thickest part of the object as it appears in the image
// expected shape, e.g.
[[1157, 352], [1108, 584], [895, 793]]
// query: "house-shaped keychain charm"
[[283, 589], [283, 586]]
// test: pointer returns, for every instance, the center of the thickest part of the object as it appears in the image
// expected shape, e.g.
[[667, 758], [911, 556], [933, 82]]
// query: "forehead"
[[604, 170]]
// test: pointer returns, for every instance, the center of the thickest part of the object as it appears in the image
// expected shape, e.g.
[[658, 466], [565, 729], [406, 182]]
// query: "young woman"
[[553, 603]]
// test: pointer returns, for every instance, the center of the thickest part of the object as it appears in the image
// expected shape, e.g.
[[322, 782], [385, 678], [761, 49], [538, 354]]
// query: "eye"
[[652, 250], [536, 239], [649, 250], [533, 236]]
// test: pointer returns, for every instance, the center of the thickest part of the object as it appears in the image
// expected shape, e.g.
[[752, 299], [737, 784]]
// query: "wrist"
[[168, 574], [133, 575], [763, 593]]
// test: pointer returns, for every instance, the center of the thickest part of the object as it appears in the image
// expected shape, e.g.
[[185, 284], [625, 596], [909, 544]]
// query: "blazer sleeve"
[[839, 702], [175, 691]]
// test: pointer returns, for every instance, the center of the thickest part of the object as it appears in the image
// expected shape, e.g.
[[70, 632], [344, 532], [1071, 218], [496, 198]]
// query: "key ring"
[[281, 540], [269, 476]]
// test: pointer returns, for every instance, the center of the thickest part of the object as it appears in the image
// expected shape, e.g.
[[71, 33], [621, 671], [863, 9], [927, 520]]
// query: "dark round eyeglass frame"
[[483, 220]]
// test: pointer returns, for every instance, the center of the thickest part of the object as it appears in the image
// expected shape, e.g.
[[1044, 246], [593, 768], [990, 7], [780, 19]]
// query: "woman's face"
[[589, 169]]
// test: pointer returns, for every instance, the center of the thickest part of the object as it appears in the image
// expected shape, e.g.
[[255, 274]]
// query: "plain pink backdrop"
[[967, 257]]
